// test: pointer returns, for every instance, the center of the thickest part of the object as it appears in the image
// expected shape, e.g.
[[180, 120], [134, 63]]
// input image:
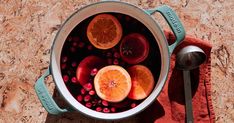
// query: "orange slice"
[[112, 83], [142, 82], [104, 31]]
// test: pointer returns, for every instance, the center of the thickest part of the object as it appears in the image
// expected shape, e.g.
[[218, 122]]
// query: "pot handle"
[[173, 21], [46, 99]]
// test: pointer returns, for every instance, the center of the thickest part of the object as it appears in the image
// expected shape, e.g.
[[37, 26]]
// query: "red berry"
[[104, 103], [79, 98], [108, 54], [74, 44], [88, 104], [94, 72], [74, 80], [113, 109], [63, 66], [109, 61], [73, 49], [90, 47], [74, 64], [106, 110], [116, 55], [64, 59], [133, 105], [65, 78], [87, 98], [99, 109], [81, 44], [116, 62], [82, 91], [88, 86], [91, 92]]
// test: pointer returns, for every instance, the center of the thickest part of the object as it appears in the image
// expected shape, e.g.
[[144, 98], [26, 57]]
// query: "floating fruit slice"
[[142, 82], [104, 31], [112, 83], [134, 48], [86, 66]]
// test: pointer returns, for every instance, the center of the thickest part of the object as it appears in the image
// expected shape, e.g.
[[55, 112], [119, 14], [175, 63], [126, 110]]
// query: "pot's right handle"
[[46, 99], [173, 21]]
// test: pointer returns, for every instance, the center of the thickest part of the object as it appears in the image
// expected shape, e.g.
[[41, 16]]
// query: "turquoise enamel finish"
[[46, 99], [173, 21]]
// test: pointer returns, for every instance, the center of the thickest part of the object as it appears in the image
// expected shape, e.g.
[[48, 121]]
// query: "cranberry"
[[104, 103], [91, 92], [94, 72], [90, 47], [64, 59], [63, 66], [113, 109], [99, 109], [74, 64], [116, 62], [81, 44], [65, 78], [74, 80], [106, 110], [79, 98], [116, 55], [82, 91], [88, 86], [88, 104], [87, 98], [133, 105]]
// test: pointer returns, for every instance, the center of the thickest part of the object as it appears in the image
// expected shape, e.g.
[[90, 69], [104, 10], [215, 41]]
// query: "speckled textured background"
[[27, 28]]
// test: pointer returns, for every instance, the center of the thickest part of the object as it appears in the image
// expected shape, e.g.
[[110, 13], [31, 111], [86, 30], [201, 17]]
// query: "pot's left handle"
[[173, 21], [46, 99]]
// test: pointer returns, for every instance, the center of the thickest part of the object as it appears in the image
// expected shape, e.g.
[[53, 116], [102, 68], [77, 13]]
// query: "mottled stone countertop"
[[27, 28]]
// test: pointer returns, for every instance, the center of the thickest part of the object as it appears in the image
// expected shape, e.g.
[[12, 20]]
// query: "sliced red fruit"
[[142, 82], [134, 48], [86, 66]]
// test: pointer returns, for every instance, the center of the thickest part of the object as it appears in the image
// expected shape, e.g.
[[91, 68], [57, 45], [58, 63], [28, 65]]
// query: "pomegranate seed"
[[116, 55], [81, 45], [91, 92], [133, 105], [108, 54], [74, 80], [82, 91], [88, 86], [73, 49], [106, 110], [94, 72], [90, 47], [116, 62], [65, 78], [109, 61], [87, 98], [94, 102], [63, 66], [99, 109], [88, 104], [104, 103], [114, 49], [64, 59], [79, 98], [74, 64], [113, 109]]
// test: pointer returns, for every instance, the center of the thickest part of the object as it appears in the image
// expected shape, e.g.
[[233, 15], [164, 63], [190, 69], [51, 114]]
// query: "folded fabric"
[[169, 107]]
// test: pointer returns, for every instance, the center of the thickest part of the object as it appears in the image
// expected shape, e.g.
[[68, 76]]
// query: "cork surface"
[[27, 28]]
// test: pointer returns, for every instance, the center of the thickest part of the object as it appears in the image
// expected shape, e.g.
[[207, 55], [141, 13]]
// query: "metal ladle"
[[188, 58]]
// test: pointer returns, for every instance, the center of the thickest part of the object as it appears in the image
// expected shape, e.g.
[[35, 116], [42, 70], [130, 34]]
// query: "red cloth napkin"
[[169, 107]]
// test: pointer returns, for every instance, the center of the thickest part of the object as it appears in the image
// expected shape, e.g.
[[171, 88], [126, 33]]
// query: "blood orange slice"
[[142, 82], [104, 31], [112, 83]]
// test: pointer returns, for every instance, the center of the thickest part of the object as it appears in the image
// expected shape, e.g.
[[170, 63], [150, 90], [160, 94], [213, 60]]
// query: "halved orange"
[[104, 31], [112, 83], [142, 82]]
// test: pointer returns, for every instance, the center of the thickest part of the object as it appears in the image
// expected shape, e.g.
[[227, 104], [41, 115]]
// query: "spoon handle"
[[188, 96]]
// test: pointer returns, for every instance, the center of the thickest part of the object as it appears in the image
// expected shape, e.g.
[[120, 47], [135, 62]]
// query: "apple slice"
[[85, 67]]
